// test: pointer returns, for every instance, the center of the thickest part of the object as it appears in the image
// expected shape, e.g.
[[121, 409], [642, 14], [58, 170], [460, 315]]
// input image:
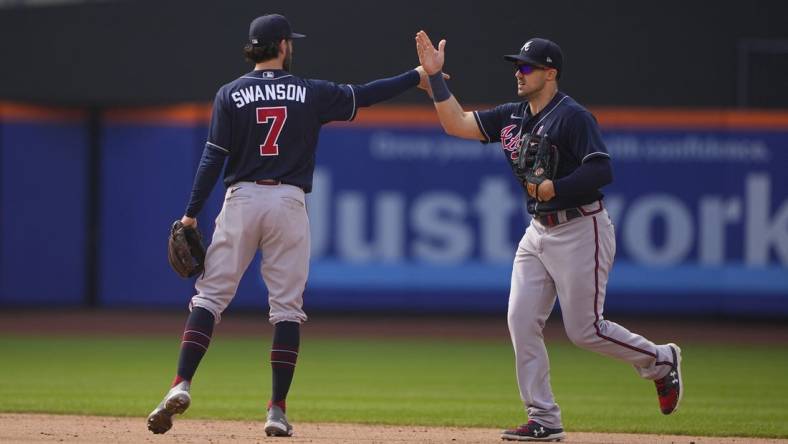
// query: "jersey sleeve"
[[584, 138], [214, 154], [334, 101], [220, 128], [491, 121]]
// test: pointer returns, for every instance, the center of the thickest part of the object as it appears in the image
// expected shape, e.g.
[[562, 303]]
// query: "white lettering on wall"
[[319, 204], [450, 226], [495, 205], [387, 227], [442, 236], [764, 230], [715, 215], [678, 231]]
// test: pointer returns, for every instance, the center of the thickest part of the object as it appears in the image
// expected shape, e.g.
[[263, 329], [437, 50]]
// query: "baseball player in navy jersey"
[[265, 127], [568, 248]]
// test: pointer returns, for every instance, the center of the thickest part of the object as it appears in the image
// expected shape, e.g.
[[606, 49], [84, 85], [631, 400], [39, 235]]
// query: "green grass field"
[[736, 391]]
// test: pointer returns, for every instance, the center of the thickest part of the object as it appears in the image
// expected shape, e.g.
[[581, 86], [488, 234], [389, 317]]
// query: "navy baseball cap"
[[541, 52], [271, 28]]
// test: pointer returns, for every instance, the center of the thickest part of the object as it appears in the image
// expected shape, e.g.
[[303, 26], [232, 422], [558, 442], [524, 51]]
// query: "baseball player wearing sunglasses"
[[556, 153]]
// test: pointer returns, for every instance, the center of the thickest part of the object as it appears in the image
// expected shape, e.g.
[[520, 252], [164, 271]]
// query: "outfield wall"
[[43, 192], [403, 217]]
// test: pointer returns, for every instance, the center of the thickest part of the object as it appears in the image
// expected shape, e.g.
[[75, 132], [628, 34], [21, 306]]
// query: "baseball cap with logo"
[[271, 28], [541, 52]]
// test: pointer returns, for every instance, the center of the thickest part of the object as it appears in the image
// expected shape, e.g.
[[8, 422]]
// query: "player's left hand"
[[546, 191], [424, 79]]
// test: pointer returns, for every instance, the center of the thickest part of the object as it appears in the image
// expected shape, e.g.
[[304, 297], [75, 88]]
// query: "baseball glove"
[[185, 250], [537, 162]]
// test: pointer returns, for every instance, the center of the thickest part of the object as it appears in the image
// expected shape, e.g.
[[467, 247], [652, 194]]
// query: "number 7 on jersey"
[[276, 116]]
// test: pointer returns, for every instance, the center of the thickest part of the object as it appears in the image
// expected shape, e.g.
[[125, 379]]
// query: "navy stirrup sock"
[[196, 339], [284, 353]]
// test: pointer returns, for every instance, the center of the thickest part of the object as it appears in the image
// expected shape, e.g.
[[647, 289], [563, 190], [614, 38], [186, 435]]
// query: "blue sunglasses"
[[526, 68]]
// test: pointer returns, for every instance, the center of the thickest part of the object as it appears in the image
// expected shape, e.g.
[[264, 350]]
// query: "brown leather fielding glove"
[[185, 250], [537, 162]]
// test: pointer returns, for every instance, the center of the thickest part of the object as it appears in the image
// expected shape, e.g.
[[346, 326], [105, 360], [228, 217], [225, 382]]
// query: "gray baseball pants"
[[572, 260]]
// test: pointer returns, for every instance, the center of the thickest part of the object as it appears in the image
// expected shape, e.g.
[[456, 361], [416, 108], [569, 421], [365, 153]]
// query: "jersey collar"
[[550, 105], [268, 74]]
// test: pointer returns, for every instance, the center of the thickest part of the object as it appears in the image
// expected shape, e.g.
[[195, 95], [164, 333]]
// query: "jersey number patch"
[[276, 116]]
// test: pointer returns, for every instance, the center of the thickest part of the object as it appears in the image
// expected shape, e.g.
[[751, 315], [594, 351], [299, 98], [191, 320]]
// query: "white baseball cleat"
[[175, 402], [276, 423]]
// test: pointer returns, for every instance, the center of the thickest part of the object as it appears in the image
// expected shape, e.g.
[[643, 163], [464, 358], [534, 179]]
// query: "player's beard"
[[530, 91], [286, 64]]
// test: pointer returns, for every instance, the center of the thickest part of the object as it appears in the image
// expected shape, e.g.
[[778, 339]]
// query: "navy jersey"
[[268, 122], [570, 127]]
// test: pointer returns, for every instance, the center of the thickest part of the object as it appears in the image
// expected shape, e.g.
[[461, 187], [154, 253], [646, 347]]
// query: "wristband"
[[440, 91]]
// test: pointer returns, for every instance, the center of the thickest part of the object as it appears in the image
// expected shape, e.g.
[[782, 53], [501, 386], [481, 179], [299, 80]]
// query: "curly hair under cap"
[[261, 53]]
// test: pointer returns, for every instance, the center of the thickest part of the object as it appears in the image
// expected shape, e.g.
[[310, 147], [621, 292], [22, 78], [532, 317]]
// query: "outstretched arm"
[[453, 118], [342, 101], [383, 89]]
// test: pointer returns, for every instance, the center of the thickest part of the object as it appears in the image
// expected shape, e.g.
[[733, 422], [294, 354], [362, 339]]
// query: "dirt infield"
[[26, 428]]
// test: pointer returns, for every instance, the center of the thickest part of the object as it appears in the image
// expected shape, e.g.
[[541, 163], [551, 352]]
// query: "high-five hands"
[[431, 60], [429, 57], [424, 80]]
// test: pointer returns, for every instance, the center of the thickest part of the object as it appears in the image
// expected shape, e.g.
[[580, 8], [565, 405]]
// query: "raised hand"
[[429, 57]]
